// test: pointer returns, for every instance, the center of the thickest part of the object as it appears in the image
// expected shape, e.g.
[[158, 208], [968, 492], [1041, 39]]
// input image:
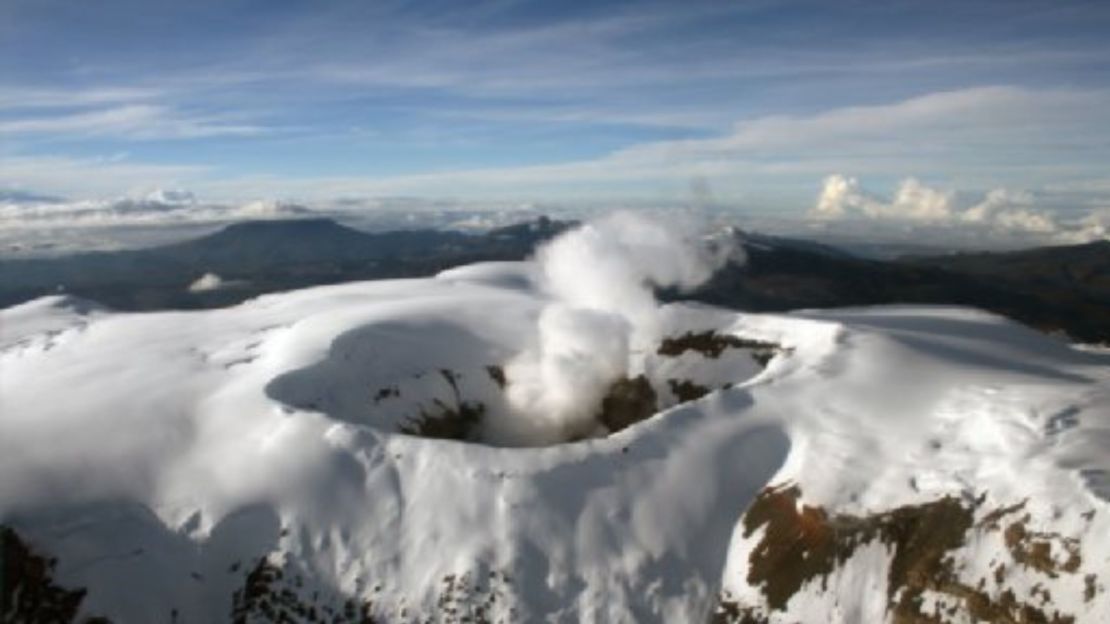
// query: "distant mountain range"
[[1062, 289], [1055, 289], [258, 257]]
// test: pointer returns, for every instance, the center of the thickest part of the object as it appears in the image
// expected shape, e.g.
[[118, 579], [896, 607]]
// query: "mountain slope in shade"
[[260, 257], [1056, 289], [258, 245], [273, 460]]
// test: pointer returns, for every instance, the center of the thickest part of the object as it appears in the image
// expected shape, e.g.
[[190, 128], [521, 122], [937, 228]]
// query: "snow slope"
[[191, 466]]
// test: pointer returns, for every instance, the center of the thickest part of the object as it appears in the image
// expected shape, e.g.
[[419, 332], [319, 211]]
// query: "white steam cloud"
[[603, 314]]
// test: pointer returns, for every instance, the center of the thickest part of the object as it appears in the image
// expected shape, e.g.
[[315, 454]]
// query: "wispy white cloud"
[[22, 97], [700, 119], [975, 138], [944, 121], [655, 70], [619, 50], [984, 136], [137, 121]]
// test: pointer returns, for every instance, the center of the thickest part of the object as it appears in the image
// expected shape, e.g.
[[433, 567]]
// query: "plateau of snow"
[[159, 457]]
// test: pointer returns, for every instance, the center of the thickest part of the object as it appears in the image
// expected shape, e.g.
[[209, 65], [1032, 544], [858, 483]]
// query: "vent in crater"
[[445, 382]]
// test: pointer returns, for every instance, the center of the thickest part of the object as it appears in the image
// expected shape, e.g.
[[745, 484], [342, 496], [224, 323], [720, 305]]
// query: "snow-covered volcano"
[[356, 453]]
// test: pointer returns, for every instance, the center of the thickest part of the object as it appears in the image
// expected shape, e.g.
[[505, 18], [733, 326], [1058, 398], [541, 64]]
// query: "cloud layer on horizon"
[[160, 207], [999, 212]]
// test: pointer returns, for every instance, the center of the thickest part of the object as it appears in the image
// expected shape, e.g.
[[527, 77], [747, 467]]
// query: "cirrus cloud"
[[135, 121]]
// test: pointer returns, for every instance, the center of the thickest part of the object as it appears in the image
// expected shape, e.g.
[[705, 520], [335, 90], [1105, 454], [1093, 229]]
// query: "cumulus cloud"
[[601, 313], [206, 282], [839, 194], [916, 201], [1092, 227], [172, 197], [267, 209], [841, 197], [1012, 210], [1025, 221]]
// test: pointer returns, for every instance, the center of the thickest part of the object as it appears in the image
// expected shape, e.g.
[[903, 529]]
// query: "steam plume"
[[603, 314]]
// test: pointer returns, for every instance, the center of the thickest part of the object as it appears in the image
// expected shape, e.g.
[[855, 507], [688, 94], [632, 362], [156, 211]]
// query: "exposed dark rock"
[[28, 592], [446, 422], [729, 611], [712, 345], [497, 374], [389, 392], [1034, 549], [266, 596], [801, 544], [628, 402], [685, 390]]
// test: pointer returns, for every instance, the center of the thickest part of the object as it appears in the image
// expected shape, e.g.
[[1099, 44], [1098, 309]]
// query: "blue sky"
[[752, 103]]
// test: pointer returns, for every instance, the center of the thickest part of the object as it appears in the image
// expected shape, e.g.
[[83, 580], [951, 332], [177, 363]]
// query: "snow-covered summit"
[[286, 458]]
